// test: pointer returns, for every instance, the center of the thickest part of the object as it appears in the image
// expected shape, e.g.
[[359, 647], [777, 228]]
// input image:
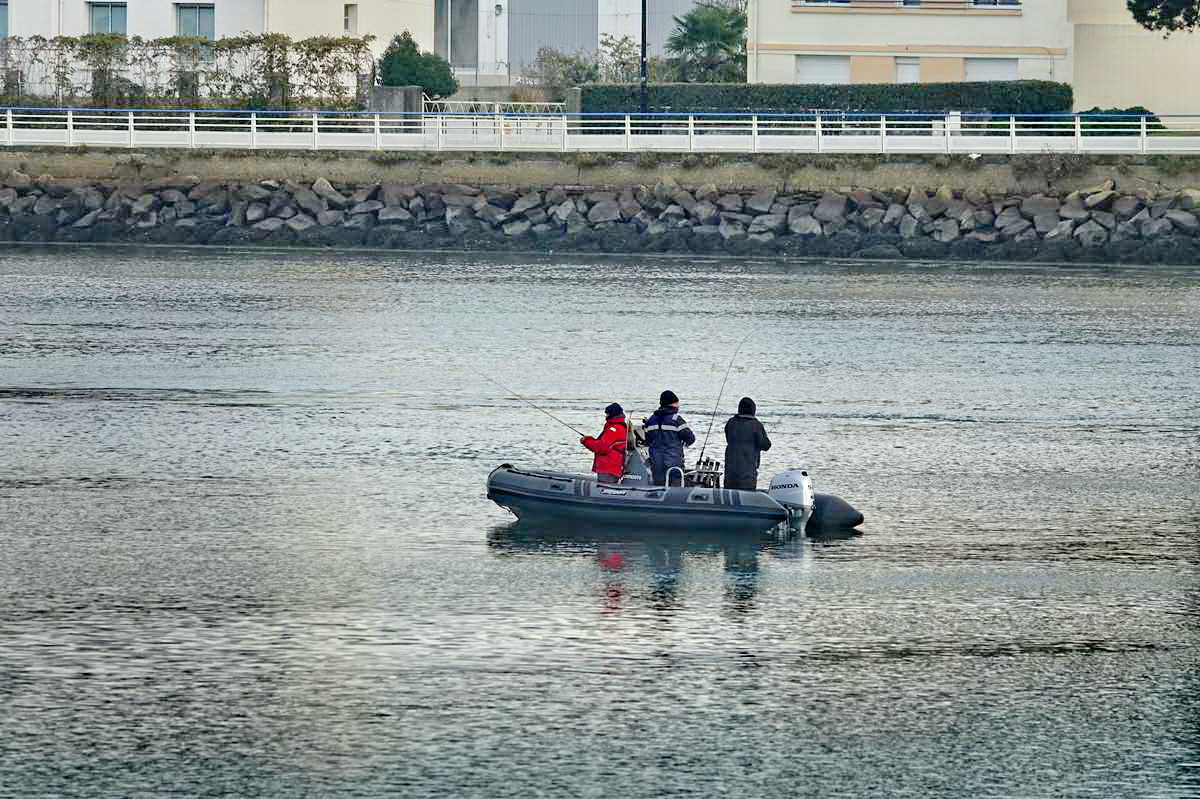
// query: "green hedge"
[[997, 97]]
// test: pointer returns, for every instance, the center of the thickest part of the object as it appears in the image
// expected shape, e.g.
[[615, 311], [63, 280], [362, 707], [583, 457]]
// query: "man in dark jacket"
[[745, 440], [667, 434]]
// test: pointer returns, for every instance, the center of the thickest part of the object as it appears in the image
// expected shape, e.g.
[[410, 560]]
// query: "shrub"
[[403, 64], [998, 97], [1099, 121]]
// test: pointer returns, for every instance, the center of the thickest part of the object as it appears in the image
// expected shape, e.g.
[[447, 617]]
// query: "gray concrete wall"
[[542, 171]]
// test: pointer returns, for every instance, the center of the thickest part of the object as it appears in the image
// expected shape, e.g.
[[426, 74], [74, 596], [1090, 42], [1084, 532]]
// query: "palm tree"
[[710, 42]]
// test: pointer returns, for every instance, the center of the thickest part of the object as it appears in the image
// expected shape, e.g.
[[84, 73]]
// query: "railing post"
[[8, 123], [691, 133], [253, 130], [1078, 134], [1012, 134], [818, 118], [130, 124], [440, 120], [192, 129], [70, 128], [316, 132], [754, 133], [883, 133], [378, 132], [947, 132], [566, 130], [499, 126], [628, 134], [1144, 143]]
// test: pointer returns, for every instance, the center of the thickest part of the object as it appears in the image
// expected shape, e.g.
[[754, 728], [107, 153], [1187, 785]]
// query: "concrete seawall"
[[916, 209]]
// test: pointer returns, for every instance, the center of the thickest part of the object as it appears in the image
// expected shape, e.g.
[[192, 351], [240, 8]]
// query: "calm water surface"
[[245, 548]]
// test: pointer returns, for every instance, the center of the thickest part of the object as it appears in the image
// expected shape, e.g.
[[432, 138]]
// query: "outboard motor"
[[814, 513], [793, 490]]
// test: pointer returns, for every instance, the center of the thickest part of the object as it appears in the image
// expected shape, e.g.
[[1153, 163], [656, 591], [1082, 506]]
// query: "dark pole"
[[645, 95]]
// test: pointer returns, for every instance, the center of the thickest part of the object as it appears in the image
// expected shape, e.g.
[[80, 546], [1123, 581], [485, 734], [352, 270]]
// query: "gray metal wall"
[[568, 26]]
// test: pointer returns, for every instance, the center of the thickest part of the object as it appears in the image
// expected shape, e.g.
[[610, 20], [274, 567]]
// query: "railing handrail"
[[603, 114]]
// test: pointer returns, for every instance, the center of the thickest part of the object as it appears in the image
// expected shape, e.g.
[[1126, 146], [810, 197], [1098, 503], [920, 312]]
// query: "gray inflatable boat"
[[539, 494]]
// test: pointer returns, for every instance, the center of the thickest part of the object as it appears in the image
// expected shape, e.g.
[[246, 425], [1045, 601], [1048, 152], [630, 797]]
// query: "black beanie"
[[667, 398], [747, 406], [613, 411]]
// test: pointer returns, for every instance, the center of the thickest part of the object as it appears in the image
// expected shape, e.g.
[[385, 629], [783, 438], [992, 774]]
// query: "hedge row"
[[997, 97]]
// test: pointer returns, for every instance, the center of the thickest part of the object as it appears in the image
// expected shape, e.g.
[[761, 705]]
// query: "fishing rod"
[[530, 404], [720, 394]]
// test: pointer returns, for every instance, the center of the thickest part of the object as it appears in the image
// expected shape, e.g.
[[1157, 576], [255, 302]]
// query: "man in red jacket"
[[609, 463]]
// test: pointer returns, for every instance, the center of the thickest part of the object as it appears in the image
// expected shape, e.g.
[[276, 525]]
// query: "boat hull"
[[550, 495]]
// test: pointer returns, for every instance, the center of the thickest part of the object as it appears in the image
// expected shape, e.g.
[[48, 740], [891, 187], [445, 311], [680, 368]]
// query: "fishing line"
[[721, 393], [530, 404]]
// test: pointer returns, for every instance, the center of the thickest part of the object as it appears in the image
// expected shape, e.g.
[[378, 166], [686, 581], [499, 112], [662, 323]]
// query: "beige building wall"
[[1119, 64], [1037, 34], [384, 19], [872, 69], [942, 70]]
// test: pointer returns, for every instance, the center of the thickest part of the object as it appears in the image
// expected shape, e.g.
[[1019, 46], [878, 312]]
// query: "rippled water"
[[245, 548]]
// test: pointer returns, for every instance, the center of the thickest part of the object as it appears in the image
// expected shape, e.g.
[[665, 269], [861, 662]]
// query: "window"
[[350, 19], [456, 28], [106, 18], [908, 70], [983, 69], [3, 20], [822, 69], [196, 21]]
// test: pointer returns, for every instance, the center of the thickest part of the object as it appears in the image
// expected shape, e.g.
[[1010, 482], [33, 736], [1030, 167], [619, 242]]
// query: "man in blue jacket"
[[667, 434]]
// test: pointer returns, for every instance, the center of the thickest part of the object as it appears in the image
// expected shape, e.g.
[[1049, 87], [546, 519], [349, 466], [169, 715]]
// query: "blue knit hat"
[[613, 411]]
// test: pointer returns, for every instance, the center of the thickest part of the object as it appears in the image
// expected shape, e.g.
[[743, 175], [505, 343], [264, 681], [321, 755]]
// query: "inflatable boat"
[[697, 504]]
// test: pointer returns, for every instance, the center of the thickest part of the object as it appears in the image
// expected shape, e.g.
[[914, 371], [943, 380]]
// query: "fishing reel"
[[705, 474]]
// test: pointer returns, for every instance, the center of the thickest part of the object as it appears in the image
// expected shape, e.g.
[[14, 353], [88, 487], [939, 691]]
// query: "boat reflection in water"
[[650, 564]]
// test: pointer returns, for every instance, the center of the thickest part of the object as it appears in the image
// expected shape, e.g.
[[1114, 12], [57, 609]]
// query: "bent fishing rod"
[[720, 394], [530, 404]]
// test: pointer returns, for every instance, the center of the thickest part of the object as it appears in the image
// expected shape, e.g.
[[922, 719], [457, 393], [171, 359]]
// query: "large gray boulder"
[[367, 207], [270, 224], [301, 222], [308, 201], [909, 227], [1091, 234], [394, 213], [706, 213], [1063, 229], [832, 206], [761, 201], [804, 225], [945, 230], [768, 223], [1184, 220], [526, 202], [1153, 228], [1039, 204], [604, 211], [730, 229], [325, 190]]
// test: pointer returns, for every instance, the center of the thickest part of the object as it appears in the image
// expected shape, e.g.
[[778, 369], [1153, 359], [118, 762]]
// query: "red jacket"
[[609, 448]]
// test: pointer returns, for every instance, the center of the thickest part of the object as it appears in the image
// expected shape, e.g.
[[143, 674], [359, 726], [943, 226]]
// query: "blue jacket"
[[667, 434]]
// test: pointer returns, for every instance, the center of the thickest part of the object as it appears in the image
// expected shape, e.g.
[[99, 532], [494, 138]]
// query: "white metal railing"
[[488, 107], [825, 132]]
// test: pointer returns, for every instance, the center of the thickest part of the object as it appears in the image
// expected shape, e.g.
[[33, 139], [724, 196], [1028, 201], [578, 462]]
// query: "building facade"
[[215, 19], [1095, 45]]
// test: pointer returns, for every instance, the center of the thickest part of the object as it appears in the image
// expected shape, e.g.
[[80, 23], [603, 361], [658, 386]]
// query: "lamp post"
[[644, 92]]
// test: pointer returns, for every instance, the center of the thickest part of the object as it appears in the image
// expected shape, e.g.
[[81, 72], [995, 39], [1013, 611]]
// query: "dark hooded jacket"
[[745, 440], [667, 434]]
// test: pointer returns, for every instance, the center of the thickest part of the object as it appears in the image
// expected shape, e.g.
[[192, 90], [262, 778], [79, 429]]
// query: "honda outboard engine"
[[793, 490], [814, 513]]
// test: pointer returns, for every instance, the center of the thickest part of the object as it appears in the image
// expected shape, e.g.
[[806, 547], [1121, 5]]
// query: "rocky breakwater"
[[1099, 223]]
